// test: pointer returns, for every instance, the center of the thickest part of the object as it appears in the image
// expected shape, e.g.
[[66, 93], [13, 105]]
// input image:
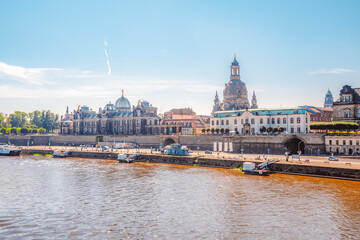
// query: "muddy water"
[[45, 198]]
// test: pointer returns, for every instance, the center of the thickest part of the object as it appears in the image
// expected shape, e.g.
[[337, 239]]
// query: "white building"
[[347, 145], [250, 121]]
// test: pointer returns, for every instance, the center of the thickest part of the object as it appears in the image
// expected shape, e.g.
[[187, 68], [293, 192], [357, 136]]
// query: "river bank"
[[346, 171]]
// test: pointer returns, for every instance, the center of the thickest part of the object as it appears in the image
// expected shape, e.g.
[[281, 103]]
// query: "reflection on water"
[[100, 199]]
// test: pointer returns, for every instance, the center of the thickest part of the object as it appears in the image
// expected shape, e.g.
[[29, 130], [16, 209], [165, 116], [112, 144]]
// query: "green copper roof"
[[264, 112]]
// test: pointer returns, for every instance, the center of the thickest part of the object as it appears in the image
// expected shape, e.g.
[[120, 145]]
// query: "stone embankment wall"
[[250, 144], [309, 170]]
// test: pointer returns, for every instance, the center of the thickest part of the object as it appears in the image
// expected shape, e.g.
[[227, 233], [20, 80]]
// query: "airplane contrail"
[[107, 58]]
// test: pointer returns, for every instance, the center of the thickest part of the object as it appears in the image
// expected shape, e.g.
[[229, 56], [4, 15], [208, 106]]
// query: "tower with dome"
[[235, 93]]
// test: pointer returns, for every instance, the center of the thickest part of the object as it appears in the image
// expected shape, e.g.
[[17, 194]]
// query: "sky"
[[174, 54]]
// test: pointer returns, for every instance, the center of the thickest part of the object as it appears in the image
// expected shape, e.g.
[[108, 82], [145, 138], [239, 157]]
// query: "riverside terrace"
[[345, 168]]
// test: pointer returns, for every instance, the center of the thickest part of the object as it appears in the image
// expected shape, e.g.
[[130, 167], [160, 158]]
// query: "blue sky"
[[174, 53]]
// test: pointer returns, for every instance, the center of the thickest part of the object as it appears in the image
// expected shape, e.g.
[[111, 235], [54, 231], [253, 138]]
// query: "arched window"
[[222, 122], [284, 120], [261, 121], [291, 120], [212, 122], [298, 120], [278, 121], [246, 120], [235, 121], [252, 121], [298, 129]]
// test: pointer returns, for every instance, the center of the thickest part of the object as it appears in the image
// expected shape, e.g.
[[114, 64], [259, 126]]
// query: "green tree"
[[35, 118], [18, 119]]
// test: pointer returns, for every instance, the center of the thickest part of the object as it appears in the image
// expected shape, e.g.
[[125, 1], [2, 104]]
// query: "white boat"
[[122, 158], [61, 154], [9, 150]]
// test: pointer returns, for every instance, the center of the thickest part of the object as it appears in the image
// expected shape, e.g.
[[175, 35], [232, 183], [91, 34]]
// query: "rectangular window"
[[227, 122], [344, 142], [212, 122], [235, 121], [330, 142], [337, 142], [357, 142]]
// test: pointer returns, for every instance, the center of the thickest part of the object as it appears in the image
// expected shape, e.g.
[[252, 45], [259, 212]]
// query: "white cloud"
[[32, 76], [331, 71]]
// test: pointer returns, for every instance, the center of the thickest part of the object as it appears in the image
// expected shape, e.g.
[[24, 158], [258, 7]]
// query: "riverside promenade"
[[345, 168]]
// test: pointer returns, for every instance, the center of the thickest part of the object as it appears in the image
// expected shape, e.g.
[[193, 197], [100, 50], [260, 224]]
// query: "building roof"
[[122, 103], [273, 111]]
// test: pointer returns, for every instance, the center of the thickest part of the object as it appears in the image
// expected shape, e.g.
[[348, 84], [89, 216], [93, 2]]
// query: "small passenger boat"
[[261, 169], [122, 158], [9, 150], [61, 154]]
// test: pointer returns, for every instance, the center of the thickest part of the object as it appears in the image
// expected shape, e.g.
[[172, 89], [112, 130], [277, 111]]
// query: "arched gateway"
[[168, 141], [294, 145]]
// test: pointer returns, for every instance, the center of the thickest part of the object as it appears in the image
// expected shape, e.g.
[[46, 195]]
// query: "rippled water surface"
[[46, 198]]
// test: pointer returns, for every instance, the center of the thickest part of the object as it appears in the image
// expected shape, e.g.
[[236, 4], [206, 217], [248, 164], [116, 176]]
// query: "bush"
[[203, 130], [227, 130], [35, 131], [212, 130], [281, 129], [275, 129], [42, 130], [222, 130], [269, 129], [334, 126], [24, 131]]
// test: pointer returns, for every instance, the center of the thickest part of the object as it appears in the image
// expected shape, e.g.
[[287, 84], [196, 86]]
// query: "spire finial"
[[122, 92], [234, 55]]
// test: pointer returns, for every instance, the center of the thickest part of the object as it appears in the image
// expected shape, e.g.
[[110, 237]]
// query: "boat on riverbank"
[[122, 158], [261, 169], [9, 150], [61, 154]]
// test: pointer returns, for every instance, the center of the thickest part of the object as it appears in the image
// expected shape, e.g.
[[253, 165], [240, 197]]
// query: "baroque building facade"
[[251, 121], [347, 107], [118, 119], [235, 94]]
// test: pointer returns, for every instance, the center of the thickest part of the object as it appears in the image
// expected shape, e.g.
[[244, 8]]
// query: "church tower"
[[217, 104], [235, 92], [235, 70], [254, 101], [328, 103]]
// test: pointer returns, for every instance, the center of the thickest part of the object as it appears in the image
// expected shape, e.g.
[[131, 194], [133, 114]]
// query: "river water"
[[46, 198]]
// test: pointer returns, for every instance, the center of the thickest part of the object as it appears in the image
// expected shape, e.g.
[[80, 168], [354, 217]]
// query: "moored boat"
[[61, 154], [261, 169], [9, 150], [122, 158]]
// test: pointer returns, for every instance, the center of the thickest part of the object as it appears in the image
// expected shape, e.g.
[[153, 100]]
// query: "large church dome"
[[123, 104]]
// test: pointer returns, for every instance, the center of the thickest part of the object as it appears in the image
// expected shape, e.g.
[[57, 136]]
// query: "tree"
[[222, 130], [217, 130], [208, 130], [262, 129], [35, 131], [35, 118], [269, 129], [18, 119], [227, 130], [203, 130], [3, 130], [2, 120], [281, 129], [275, 130], [212, 130]]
